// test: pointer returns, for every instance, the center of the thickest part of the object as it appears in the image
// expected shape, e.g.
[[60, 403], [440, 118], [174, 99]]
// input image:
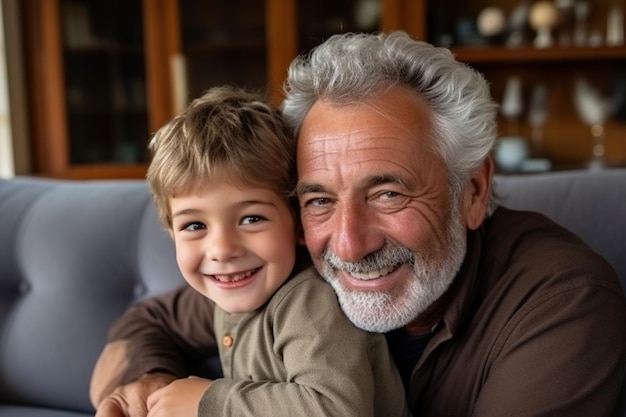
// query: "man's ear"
[[477, 194]]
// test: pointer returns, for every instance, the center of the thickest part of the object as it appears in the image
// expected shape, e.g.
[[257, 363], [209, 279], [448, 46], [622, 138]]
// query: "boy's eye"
[[191, 227], [252, 219]]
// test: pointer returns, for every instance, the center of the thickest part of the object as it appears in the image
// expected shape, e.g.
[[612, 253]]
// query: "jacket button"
[[227, 341]]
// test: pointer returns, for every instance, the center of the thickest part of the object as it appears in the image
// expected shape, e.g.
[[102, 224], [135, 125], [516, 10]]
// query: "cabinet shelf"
[[502, 54]]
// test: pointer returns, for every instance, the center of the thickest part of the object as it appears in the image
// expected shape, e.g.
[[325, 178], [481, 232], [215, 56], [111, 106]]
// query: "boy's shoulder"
[[305, 285], [309, 275]]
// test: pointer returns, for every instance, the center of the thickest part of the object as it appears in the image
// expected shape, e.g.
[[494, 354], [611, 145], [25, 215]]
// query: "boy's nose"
[[223, 245]]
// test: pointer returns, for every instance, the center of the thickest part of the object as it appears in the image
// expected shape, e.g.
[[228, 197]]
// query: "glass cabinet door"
[[222, 42], [104, 69]]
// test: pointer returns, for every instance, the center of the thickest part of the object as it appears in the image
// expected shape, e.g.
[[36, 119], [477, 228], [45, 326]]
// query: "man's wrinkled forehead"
[[342, 127]]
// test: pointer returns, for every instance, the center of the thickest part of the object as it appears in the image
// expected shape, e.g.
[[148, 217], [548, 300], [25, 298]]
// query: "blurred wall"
[[14, 146]]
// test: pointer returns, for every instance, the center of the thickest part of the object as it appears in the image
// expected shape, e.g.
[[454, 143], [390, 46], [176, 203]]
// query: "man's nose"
[[355, 232], [223, 245]]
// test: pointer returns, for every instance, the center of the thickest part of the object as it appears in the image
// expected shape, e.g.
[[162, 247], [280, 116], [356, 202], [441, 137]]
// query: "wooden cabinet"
[[104, 75]]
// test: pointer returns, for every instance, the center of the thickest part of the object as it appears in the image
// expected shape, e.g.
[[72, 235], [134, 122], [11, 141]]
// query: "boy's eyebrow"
[[241, 204], [184, 212]]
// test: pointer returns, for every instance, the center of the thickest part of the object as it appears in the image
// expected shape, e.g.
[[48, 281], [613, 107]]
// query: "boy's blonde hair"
[[227, 134]]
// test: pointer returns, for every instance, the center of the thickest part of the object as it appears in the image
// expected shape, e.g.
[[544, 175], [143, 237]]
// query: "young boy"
[[221, 177]]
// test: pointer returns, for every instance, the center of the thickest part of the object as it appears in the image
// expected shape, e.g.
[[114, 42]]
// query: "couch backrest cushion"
[[591, 204], [74, 256]]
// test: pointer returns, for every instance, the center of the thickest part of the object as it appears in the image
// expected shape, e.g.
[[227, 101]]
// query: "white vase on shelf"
[[538, 115], [593, 109], [512, 104]]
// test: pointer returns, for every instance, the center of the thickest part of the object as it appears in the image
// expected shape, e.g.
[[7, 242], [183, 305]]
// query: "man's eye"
[[194, 226], [252, 219], [317, 202], [389, 194]]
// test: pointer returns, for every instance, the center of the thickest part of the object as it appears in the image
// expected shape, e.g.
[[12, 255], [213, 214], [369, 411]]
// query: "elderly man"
[[487, 311]]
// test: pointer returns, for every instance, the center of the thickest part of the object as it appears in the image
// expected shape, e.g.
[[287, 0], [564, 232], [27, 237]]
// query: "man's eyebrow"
[[303, 188], [380, 179], [369, 181]]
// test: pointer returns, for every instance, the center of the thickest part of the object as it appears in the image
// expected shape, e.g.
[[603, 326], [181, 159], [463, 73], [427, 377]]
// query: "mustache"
[[388, 255]]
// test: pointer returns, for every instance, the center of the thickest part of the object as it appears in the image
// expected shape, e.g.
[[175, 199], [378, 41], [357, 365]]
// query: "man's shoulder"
[[529, 245]]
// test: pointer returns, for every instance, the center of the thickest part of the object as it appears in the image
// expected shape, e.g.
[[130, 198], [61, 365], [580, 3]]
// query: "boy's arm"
[[156, 336]]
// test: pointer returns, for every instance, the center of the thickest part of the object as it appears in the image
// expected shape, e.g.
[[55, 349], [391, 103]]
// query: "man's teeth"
[[234, 277], [372, 274]]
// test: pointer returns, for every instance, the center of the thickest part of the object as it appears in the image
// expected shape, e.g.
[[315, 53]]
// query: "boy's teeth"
[[233, 277], [365, 276]]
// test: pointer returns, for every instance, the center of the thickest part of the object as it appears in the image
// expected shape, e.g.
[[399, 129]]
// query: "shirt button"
[[227, 341]]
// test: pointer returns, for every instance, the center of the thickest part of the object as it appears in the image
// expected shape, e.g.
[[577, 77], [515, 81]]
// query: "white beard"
[[384, 311]]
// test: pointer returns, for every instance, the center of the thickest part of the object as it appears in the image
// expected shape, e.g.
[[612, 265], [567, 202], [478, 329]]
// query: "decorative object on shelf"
[[510, 153], [543, 17], [511, 150], [537, 116], [367, 14], [596, 38], [491, 23], [615, 26], [78, 31], [566, 21], [581, 14], [512, 104], [593, 109], [517, 24], [441, 25], [466, 32]]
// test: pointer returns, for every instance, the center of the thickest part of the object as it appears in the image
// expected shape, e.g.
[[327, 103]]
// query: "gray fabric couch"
[[75, 255]]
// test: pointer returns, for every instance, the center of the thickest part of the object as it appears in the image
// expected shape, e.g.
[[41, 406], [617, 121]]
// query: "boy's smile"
[[233, 278]]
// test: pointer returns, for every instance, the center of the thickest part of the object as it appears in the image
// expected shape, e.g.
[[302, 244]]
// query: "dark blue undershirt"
[[406, 351]]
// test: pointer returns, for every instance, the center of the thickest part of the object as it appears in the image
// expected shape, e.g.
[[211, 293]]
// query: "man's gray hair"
[[349, 67]]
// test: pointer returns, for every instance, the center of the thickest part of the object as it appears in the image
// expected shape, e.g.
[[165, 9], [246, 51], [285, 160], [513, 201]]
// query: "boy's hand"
[[181, 398]]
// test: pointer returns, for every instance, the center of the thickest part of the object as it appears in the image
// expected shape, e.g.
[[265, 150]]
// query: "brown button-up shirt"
[[536, 327]]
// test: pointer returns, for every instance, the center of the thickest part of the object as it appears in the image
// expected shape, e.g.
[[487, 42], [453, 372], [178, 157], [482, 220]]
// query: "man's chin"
[[371, 311]]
